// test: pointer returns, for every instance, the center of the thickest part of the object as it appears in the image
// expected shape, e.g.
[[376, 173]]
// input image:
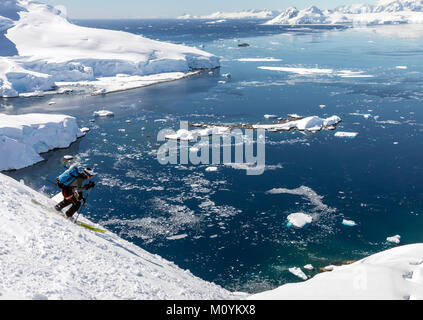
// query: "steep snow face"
[[24, 137], [393, 274], [45, 256], [384, 12], [48, 43]]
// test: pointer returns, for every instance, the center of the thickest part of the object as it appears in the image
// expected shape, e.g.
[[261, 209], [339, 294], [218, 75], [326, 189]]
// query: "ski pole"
[[85, 202]]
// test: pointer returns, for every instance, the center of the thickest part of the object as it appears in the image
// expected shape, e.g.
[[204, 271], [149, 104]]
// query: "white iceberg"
[[312, 123], [349, 223], [191, 135], [343, 134], [298, 272], [24, 137], [103, 113], [394, 239], [299, 219], [54, 50]]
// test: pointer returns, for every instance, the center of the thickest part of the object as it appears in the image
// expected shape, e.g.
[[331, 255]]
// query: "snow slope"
[[393, 274], [24, 137], [384, 12], [49, 44], [45, 256]]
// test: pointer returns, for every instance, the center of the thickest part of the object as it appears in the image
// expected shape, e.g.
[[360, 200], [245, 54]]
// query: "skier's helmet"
[[89, 172]]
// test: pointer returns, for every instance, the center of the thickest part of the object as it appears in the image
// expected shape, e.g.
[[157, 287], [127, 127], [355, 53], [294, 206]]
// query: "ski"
[[79, 223]]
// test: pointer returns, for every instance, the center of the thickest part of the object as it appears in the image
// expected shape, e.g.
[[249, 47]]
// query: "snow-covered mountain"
[[246, 14], [45, 256], [52, 49], [384, 12]]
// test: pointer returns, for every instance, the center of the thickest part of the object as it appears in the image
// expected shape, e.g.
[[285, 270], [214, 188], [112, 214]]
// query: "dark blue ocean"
[[224, 226]]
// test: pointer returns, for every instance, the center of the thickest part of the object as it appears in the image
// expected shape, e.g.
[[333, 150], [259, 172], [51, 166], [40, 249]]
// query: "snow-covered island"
[[49, 52], [383, 13], [24, 137]]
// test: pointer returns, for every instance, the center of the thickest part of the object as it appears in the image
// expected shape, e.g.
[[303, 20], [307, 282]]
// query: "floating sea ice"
[[394, 239], [349, 223], [269, 116], [181, 134], [51, 103], [294, 116], [226, 75], [103, 113], [259, 60], [299, 220], [298, 272], [401, 67], [350, 135], [85, 130], [308, 267], [329, 268], [67, 157]]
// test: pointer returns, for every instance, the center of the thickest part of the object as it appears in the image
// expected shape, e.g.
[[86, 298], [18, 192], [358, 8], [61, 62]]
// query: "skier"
[[70, 182]]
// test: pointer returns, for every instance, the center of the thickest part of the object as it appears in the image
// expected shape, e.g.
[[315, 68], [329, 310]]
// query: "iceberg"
[[24, 137], [299, 220], [313, 123], [103, 113], [349, 135], [298, 272], [349, 223], [394, 239], [52, 50]]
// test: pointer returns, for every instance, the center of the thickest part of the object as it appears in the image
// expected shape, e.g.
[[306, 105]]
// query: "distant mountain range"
[[384, 12], [246, 14]]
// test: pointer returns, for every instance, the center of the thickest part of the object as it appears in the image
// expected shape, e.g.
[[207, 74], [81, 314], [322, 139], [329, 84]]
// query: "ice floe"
[[349, 135], [298, 272], [394, 239], [349, 223], [299, 219], [103, 113], [312, 123]]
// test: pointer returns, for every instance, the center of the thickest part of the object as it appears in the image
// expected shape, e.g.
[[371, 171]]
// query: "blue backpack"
[[67, 177]]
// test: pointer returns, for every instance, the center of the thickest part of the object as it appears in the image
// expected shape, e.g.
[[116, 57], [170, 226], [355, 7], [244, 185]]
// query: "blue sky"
[[174, 8]]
